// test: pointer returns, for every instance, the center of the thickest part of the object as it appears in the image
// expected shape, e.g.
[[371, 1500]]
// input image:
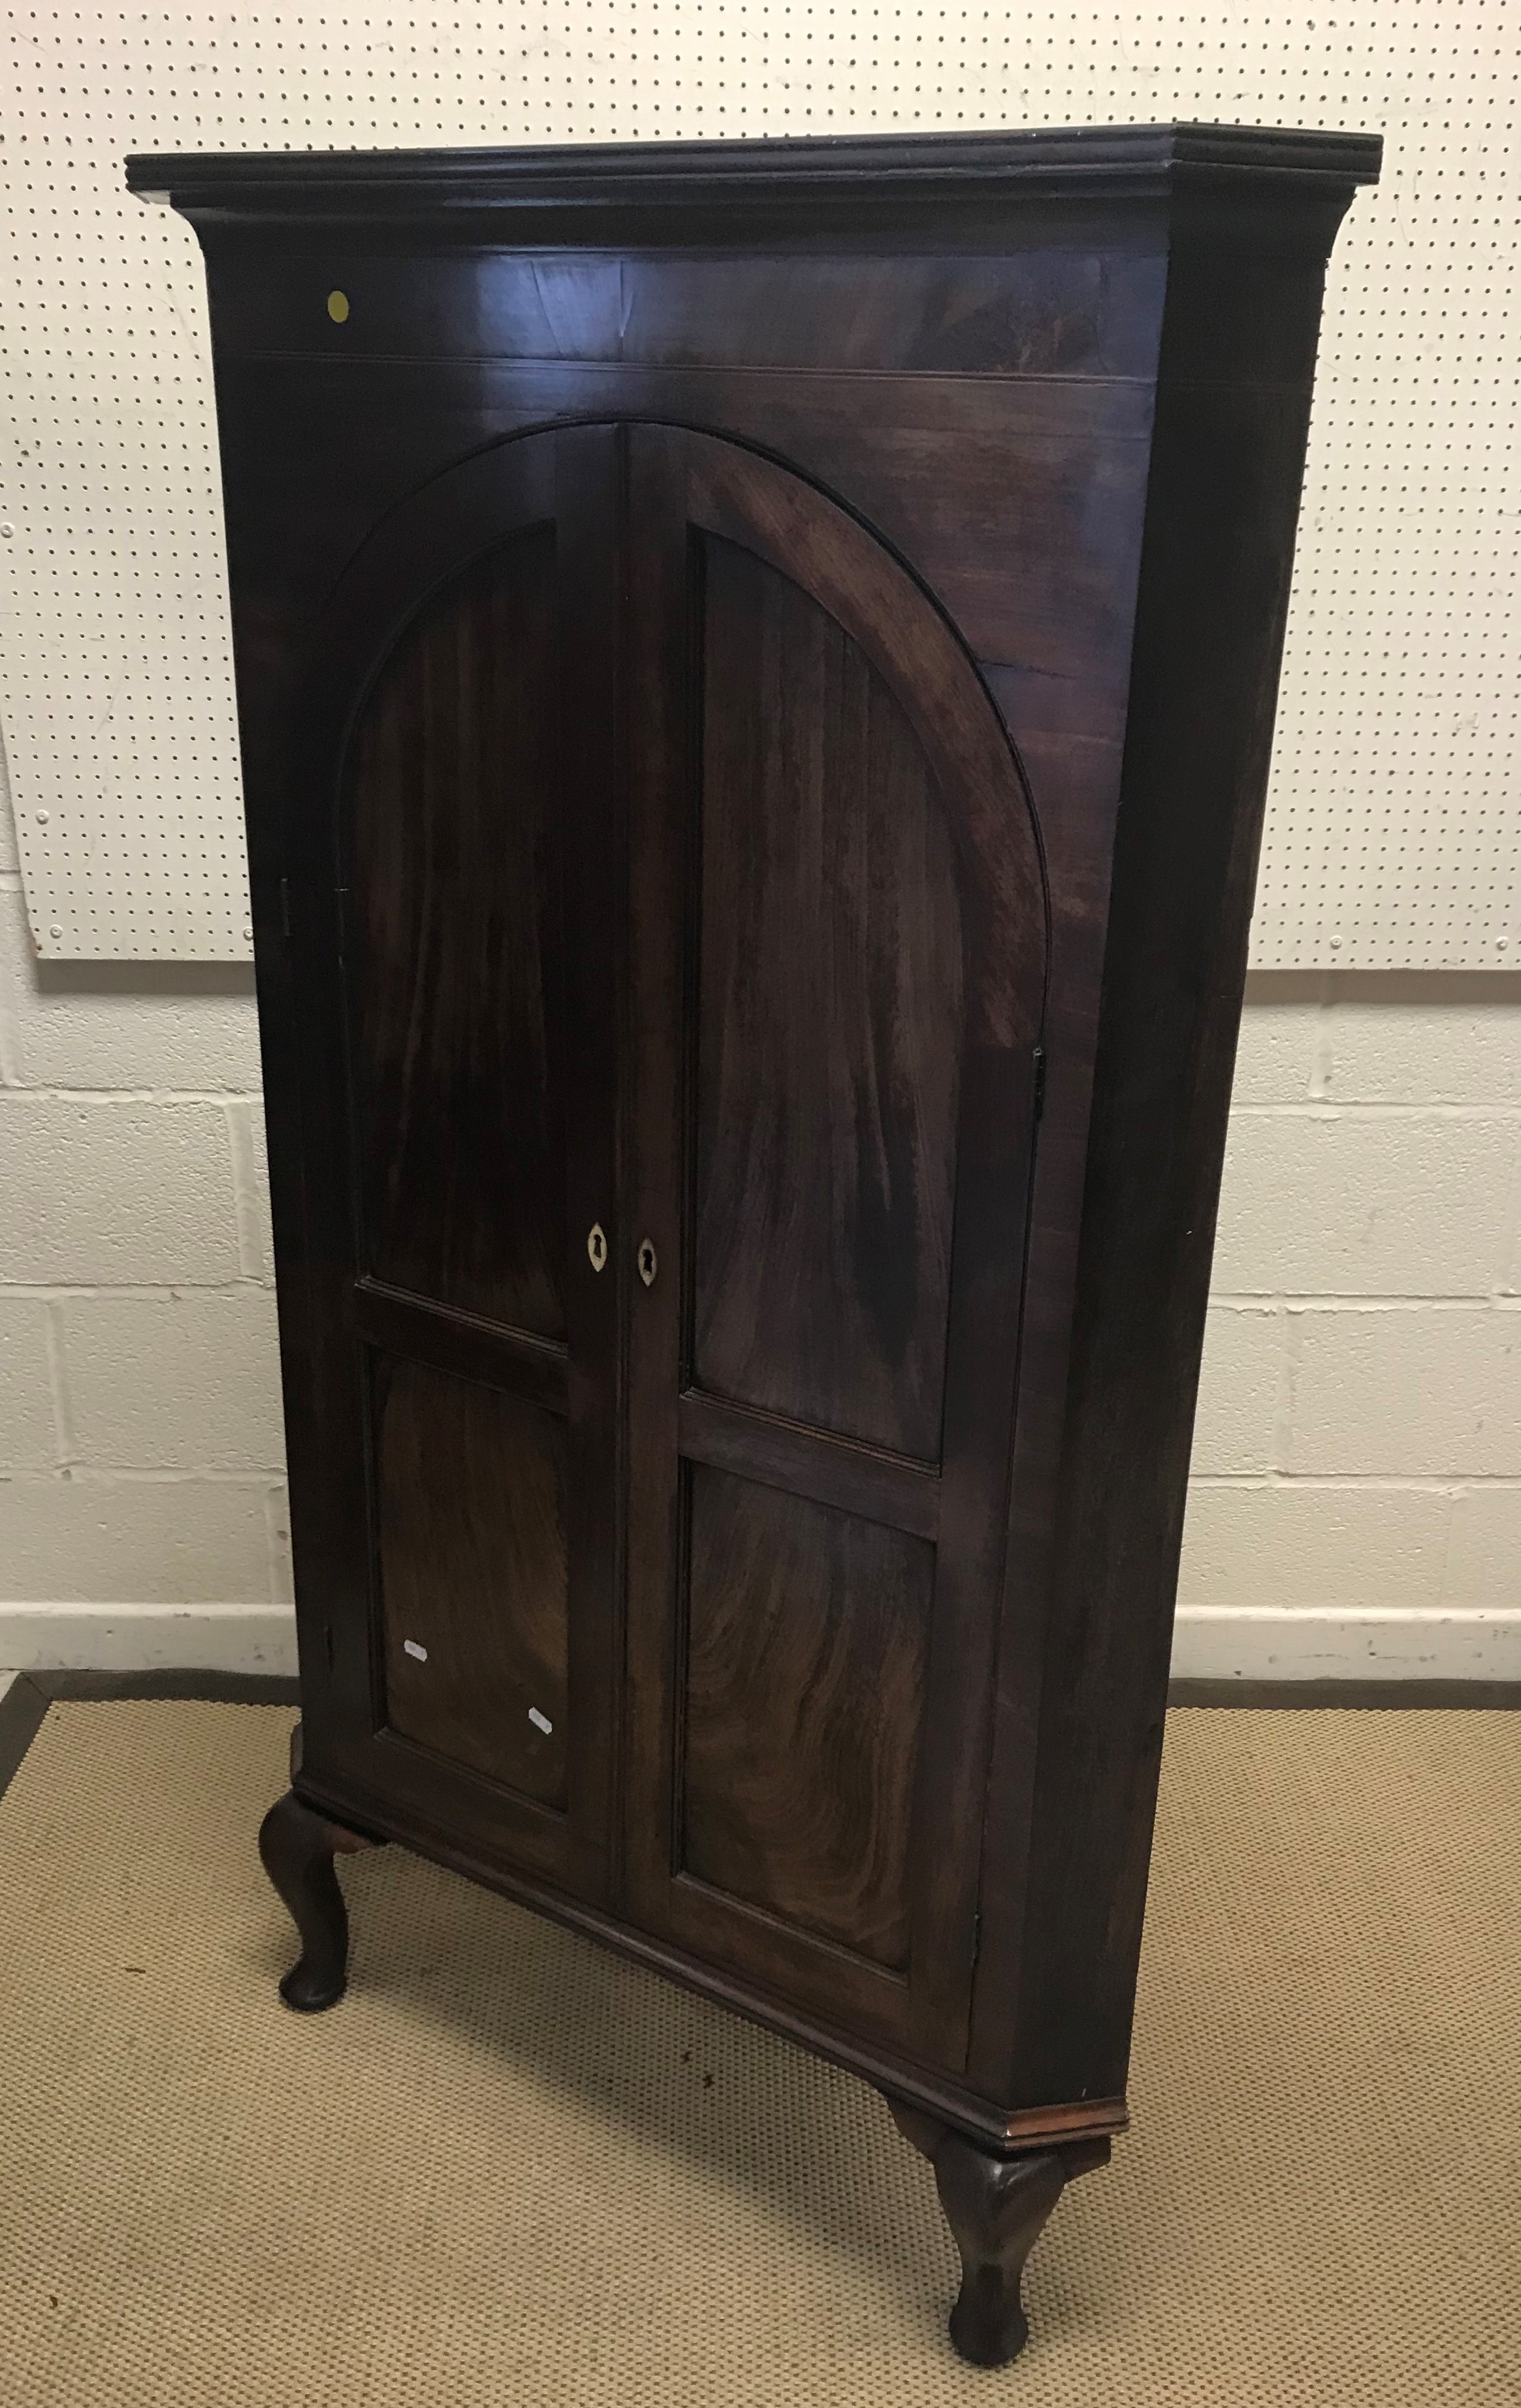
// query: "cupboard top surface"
[[862, 172]]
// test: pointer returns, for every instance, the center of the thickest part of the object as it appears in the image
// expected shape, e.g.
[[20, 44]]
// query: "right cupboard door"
[[837, 964]]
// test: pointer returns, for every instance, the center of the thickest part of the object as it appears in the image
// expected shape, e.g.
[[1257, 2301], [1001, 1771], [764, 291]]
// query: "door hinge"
[[1039, 1060], [285, 906]]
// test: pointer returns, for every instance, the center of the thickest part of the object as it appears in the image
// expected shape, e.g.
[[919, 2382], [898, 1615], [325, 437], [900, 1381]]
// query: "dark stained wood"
[[828, 1031], [471, 1513], [766, 571], [391, 1816], [1210, 609], [23, 1705], [851, 574], [663, 805], [941, 1052], [531, 1368], [705, 194], [481, 513], [863, 1480], [455, 872], [962, 474], [588, 489], [296, 1847], [1066, 309], [996, 2208], [807, 1634]]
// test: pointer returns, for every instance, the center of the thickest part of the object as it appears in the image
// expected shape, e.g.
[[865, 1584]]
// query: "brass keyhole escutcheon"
[[648, 1264], [596, 1246]]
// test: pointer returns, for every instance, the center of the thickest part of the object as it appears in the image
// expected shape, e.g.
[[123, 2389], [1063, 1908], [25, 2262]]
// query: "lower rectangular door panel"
[[806, 1644], [471, 1497]]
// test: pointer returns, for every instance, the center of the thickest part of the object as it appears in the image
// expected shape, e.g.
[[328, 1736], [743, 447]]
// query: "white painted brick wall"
[[1358, 1444], [116, 1191], [212, 1358], [110, 1537], [141, 1456], [1340, 1199], [1312, 1543], [29, 1436]]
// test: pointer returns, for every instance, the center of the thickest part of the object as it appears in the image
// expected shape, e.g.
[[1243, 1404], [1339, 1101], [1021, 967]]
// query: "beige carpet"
[[510, 2169]]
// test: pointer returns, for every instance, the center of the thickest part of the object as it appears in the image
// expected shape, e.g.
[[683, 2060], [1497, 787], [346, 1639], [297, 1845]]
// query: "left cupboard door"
[[456, 878]]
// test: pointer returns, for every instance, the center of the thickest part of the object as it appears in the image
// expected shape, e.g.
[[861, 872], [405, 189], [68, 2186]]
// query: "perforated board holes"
[[1390, 821]]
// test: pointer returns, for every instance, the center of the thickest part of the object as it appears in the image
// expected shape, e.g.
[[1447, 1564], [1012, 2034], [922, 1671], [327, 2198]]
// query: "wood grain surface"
[[808, 1631], [837, 971], [455, 872], [829, 1025], [473, 1573], [844, 584]]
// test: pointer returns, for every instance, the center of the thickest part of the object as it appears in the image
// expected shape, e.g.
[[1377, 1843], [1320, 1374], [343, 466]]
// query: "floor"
[[510, 2169]]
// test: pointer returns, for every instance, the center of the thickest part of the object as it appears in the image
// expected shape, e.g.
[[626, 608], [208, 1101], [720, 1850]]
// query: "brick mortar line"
[[164, 1098], [140, 1292], [1371, 1480], [1374, 1109], [282, 1567], [1301, 1301], [142, 1476], [58, 1386]]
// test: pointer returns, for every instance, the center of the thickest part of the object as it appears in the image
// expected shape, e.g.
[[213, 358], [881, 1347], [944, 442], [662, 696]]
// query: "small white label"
[[540, 1722], [411, 1647]]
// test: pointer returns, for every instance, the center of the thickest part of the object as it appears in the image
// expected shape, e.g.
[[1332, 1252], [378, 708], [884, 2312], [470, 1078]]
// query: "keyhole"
[[648, 1265], [597, 1245]]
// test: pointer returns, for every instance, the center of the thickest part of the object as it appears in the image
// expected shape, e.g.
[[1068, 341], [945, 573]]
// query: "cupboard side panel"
[[1223, 505]]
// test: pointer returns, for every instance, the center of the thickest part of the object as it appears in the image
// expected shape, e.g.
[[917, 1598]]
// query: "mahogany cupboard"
[[756, 667]]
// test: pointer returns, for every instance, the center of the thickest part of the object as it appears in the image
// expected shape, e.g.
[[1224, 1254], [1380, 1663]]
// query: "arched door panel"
[[829, 1025], [460, 901], [455, 864], [673, 939], [837, 971]]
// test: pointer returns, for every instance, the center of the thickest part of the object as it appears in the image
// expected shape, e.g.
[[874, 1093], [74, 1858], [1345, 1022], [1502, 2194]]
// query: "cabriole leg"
[[996, 2208], [297, 1845]]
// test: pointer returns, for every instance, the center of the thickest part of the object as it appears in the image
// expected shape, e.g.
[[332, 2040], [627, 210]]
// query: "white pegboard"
[[1392, 836]]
